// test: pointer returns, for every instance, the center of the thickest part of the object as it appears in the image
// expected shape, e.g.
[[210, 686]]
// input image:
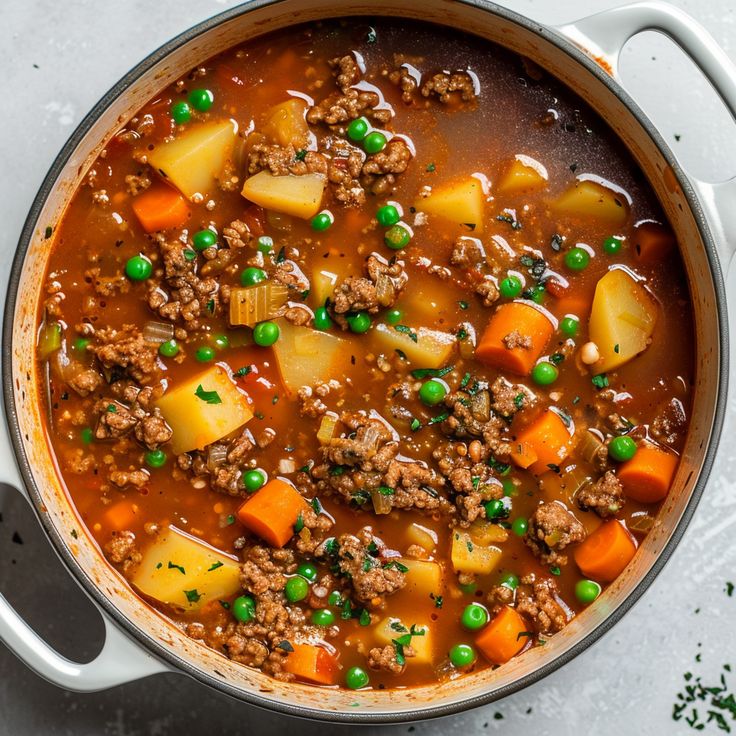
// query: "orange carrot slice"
[[504, 637], [606, 552], [648, 475], [160, 208], [312, 664]]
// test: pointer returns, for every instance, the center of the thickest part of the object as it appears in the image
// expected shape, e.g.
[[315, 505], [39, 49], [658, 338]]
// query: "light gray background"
[[57, 59]]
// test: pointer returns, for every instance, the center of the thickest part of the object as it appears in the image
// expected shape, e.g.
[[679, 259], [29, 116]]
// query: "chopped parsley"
[[716, 700], [395, 565], [555, 570], [398, 627], [438, 600], [439, 418], [729, 588], [556, 358], [616, 348], [209, 397], [462, 334], [112, 408], [285, 646], [172, 566], [337, 470], [230, 519], [530, 634], [225, 605], [365, 618], [431, 167], [510, 217], [299, 524], [519, 400], [401, 354], [554, 468], [463, 304], [192, 595], [210, 305], [404, 330], [600, 381], [214, 566], [404, 641], [465, 381], [316, 506], [431, 372], [244, 371], [415, 424], [386, 491], [301, 155]]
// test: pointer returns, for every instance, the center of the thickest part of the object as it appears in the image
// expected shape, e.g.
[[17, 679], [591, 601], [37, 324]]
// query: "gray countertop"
[[59, 58]]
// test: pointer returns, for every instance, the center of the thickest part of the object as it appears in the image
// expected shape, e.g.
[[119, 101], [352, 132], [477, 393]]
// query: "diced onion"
[[49, 339], [385, 290], [327, 428], [589, 448], [381, 502], [216, 456], [641, 522], [158, 332], [287, 466], [480, 406]]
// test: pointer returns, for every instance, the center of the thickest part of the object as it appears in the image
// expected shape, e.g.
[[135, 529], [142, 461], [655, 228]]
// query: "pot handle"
[[121, 659], [603, 36]]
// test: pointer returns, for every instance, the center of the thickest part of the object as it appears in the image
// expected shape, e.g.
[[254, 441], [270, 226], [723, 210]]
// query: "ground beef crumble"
[[538, 600], [443, 85], [122, 550], [605, 496], [384, 658], [516, 340], [126, 349], [551, 529], [380, 288]]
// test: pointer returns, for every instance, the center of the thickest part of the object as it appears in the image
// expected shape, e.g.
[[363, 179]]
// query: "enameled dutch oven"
[[584, 55]]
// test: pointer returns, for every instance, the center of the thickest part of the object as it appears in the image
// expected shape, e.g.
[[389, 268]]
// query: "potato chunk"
[[471, 557], [286, 125], [204, 409], [194, 158], [300, 196], [460, 202], [589, 199], [422, 578], [622, 319], [183, 571], [392, 629], [522, 175], [306, 356], [431, 349]]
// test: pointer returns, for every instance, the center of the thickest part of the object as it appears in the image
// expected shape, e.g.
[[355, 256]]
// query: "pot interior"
[[53, 503]]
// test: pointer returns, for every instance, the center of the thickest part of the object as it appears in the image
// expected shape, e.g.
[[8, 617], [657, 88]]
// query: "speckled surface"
[[58, 59]]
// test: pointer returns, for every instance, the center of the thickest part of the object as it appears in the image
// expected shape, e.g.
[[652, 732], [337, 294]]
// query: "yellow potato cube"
[[590, 199], [204, 409], [522, 175], [422, 536], [469, 557], [182, 571], [622, 319], [300, 196], [391, 629], [195, 157], [286, 125], [322, 286], [485, 532], [431, 349], [422, 578], [460, 202]]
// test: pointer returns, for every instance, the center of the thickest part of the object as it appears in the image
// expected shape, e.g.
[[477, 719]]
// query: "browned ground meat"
[[346, 71], [86, 381], [122, 550], [442, 85], [283, 160], [605, 496], [371, 576], [266, 569], [516, 340], [552, 528], [136, 183], [538, 600], [669, 423], [487, 290], [339, 108], [115, 419], [380, 289], [126, 349], [237, 234], [384, 658], [125, 478], [467, 253], [311, 402], [381, 169], [107, 285], [406, 82], [343, 173], [499, 596], [509, 398]]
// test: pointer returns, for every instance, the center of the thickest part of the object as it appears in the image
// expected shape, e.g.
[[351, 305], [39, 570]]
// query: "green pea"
[[545, 373], [322, 220], [510, 287], [181, 113], [387, 215], [577, 259], [394, 316], [265, 244], [244, 609], [80, 344], [201, 99], [86, 436], [358, 129], [359, 322], [203, 239], [297, 589], [222, 342], [432, 392], [374, 142], [156, 458], [251, 276], [266, 334], [586, 591], [323, 617], [622, 448], [356, 678], [308, 571], [138, 268], [570, 326], [168, 349], [612, 245], [475, 616], [204, 354], [254, 479], [495, 509], [509, 580], [397, 237], [462, 655], [519, 526], [322, 319], [335, 599]]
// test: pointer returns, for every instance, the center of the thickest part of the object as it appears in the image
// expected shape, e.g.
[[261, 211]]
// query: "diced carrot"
[[121, 515], [653, 243], [312, 664], [504, 637], [160, 207], [272, 512], [648, 475], [545, 442], [523, 319], [606, 552]]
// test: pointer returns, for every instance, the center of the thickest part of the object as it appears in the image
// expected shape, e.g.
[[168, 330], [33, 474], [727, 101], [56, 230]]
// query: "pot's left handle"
[[604, 35], [121, 659]]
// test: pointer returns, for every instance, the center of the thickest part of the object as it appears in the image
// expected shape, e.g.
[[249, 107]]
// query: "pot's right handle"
[[604, 35]]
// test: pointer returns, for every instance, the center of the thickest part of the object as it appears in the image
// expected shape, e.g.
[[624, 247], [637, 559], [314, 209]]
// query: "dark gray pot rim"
[[252, 698]]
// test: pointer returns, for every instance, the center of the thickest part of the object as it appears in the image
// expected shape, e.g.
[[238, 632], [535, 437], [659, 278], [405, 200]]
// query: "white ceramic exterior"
[[125, 658]]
